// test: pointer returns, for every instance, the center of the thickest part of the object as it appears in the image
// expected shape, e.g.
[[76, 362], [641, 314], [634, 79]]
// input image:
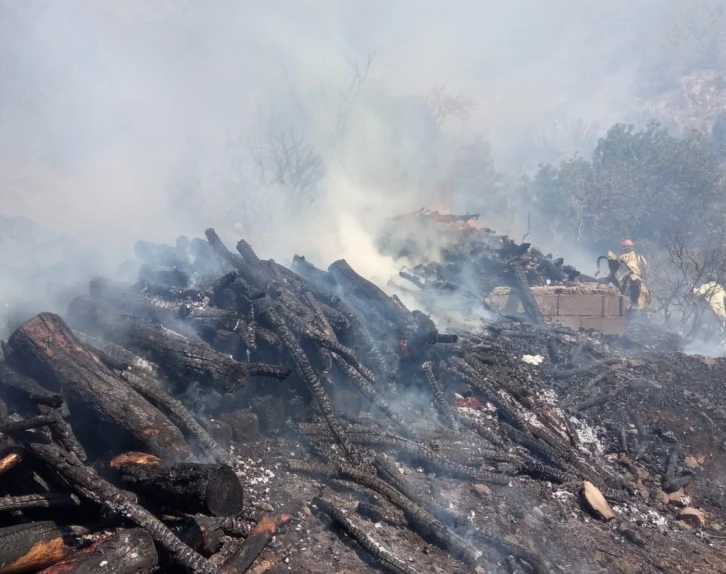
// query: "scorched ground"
[[226, 414]]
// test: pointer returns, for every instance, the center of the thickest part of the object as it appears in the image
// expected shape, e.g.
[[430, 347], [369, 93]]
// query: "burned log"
[[367, 294], [437, 390], [30, 547], [46, 343], [140, 377], [49, 500], [525, 294], [316, 276], [125, 552], [154, 393], [258, 280], [128, 300], [12, 378], [88, 484], [62, 432], [267, 527], [313, 381], [203, 319], [188, 486], [204, 534], [178, 357], [115, 356], [10, 426]]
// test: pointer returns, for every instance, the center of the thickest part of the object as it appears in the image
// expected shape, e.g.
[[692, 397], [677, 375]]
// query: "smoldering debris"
[[343, 432], [453, 265]]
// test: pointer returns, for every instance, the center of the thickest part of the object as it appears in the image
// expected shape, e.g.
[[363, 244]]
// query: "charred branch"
[[10, 426], [421, 521], [437, 390], [366, 542], [12, 378], [178, 357], [308, 374], [425, 455], [49, 500]]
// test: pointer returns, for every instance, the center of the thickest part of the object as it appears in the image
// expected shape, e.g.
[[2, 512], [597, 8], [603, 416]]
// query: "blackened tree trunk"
[[47, 344], [188, 486], [368, 294]]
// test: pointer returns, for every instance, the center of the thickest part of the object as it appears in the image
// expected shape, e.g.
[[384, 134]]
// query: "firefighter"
[[714, 295], [632, 276]]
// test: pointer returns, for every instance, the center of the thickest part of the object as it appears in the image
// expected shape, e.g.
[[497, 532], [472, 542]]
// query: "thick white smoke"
[[132, 119]]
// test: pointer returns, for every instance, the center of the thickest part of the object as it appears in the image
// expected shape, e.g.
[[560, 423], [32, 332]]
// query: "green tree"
[[644, 184], [560, 198]]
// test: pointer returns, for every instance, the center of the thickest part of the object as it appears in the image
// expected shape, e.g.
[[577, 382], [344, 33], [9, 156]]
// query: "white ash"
[[486, 412], [548, 396], [144, 365], [587, 435], [657, 520], [173, 334]]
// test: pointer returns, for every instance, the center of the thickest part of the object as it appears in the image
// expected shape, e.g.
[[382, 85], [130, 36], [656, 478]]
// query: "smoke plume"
[[300, 126]]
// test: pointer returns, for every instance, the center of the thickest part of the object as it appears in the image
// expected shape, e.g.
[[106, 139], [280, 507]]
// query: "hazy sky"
[[104, 102]]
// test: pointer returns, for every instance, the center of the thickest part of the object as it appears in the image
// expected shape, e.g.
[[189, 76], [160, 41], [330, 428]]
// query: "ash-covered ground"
[[498, 445], [677, 399]]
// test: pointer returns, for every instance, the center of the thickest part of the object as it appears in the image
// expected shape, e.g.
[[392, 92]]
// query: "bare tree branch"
[[347, 96], [442, 106]]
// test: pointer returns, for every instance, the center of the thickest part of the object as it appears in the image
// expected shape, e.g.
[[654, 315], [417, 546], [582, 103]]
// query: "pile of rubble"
[[228, 414]]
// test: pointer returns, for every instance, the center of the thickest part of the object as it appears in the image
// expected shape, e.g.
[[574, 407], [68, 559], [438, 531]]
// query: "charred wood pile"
[[452, 260], [153, 426]]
